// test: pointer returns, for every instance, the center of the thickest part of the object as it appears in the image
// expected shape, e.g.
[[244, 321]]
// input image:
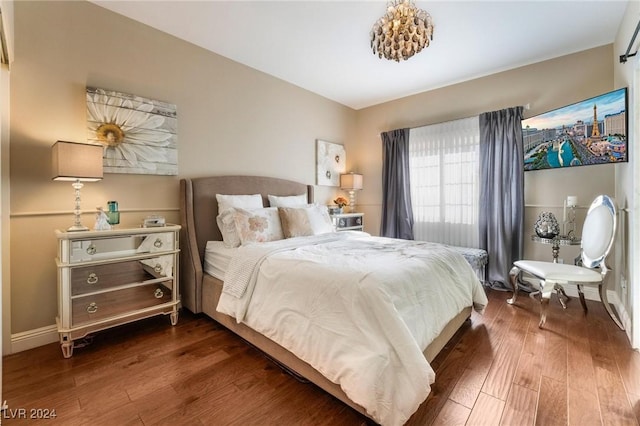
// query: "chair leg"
[[607, 307], [546, 289], [513, 275], [582, 301], [561, 293], [544, 304]]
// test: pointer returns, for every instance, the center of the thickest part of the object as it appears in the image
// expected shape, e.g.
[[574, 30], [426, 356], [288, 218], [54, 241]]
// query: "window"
[[444, 173]]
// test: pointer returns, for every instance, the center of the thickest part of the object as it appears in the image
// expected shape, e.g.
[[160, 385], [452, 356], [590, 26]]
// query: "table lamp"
[[352, 182], [77, 163]]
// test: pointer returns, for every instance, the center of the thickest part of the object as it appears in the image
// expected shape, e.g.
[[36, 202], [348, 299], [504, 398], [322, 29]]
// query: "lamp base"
[[352, 201], [77, 225]]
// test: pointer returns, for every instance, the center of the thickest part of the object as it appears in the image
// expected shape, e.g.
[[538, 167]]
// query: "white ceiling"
[[323, 46]]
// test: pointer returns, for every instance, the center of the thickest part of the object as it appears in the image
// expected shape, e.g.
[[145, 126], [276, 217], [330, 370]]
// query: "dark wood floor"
[[499, 369]]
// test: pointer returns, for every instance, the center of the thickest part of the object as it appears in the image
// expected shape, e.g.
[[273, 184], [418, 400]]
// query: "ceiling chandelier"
[[401, 32]]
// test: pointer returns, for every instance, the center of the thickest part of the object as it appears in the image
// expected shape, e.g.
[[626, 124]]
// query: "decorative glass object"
[[113, 213], [546, 226]]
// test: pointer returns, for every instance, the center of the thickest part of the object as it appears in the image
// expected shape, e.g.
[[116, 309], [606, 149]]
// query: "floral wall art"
[[331, 163], [139, 135]]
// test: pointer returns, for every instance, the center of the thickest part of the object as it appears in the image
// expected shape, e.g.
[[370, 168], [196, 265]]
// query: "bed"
[[202, 292]]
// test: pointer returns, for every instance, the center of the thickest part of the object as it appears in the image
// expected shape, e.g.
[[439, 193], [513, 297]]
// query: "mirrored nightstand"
[[348, 221]]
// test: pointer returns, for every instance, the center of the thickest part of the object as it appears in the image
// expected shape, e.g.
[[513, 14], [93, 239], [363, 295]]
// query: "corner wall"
[[627, 177]]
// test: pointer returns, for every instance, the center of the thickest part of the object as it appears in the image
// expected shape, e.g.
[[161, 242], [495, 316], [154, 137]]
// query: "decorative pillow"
[[227, 226], [312, 219], [225, 220], [295, 222], [287, 201], [258, 225]]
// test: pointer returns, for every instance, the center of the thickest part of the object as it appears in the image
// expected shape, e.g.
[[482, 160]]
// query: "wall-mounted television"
[[593, 131]]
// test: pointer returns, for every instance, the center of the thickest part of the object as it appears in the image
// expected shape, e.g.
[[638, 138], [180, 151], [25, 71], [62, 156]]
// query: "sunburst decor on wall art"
[[138, 135], [330, 163]]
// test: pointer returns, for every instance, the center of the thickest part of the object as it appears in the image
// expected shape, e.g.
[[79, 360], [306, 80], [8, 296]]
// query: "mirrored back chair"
[[598, 233]]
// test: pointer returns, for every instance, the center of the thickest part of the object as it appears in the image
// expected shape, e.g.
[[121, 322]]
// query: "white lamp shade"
[[351, 181], [76, 161]]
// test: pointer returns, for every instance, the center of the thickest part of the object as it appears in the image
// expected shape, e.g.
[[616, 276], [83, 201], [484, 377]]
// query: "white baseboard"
[[33, 338]]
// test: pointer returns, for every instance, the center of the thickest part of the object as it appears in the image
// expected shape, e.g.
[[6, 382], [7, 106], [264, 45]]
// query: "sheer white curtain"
[[444, 175]]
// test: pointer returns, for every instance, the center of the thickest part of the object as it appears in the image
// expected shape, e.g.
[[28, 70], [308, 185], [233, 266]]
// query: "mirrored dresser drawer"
[[118, 247], [108, 278], [86, 279], [93, 307]]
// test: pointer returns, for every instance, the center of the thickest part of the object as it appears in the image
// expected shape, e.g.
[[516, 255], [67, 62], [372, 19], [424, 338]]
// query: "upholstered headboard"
[[198, 211]]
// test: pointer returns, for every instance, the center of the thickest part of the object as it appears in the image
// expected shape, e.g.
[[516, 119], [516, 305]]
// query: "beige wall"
[[231, 119]]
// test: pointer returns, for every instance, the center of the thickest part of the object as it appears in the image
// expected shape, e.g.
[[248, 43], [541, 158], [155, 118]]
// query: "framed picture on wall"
[[139, 135], [330, 163], [593, 131]]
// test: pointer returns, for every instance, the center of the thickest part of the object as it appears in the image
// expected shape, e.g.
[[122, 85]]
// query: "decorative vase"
[[546, 226]]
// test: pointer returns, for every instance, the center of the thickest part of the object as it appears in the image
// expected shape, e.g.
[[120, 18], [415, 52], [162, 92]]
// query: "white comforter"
[[359, 309]]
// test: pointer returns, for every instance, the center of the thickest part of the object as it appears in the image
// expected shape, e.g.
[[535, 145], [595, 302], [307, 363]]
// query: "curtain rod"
[[525, 107], [623, 58]]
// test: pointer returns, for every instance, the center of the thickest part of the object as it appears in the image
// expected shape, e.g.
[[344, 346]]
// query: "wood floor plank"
[[634, 399], [627, 359], [487, 411], [556, 346], [580, 371], [520, 408], [529, 368], [452, 414], [470, 384], [583, 408], [614, 403], [552, 403], [502, 371]]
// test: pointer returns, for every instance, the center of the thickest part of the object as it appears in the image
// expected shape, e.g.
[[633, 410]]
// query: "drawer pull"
[[92, 308], [92, 278], [158, 268], [158, 293], [157, 243], [91, 249]]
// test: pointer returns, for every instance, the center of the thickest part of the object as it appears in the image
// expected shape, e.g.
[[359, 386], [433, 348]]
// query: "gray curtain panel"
[[501, 192], [397, 213]]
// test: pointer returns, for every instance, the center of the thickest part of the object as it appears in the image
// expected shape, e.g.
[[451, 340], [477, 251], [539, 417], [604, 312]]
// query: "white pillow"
[[238, 201], [312, 219], [225, 220], [258, 225], [287, 201]]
